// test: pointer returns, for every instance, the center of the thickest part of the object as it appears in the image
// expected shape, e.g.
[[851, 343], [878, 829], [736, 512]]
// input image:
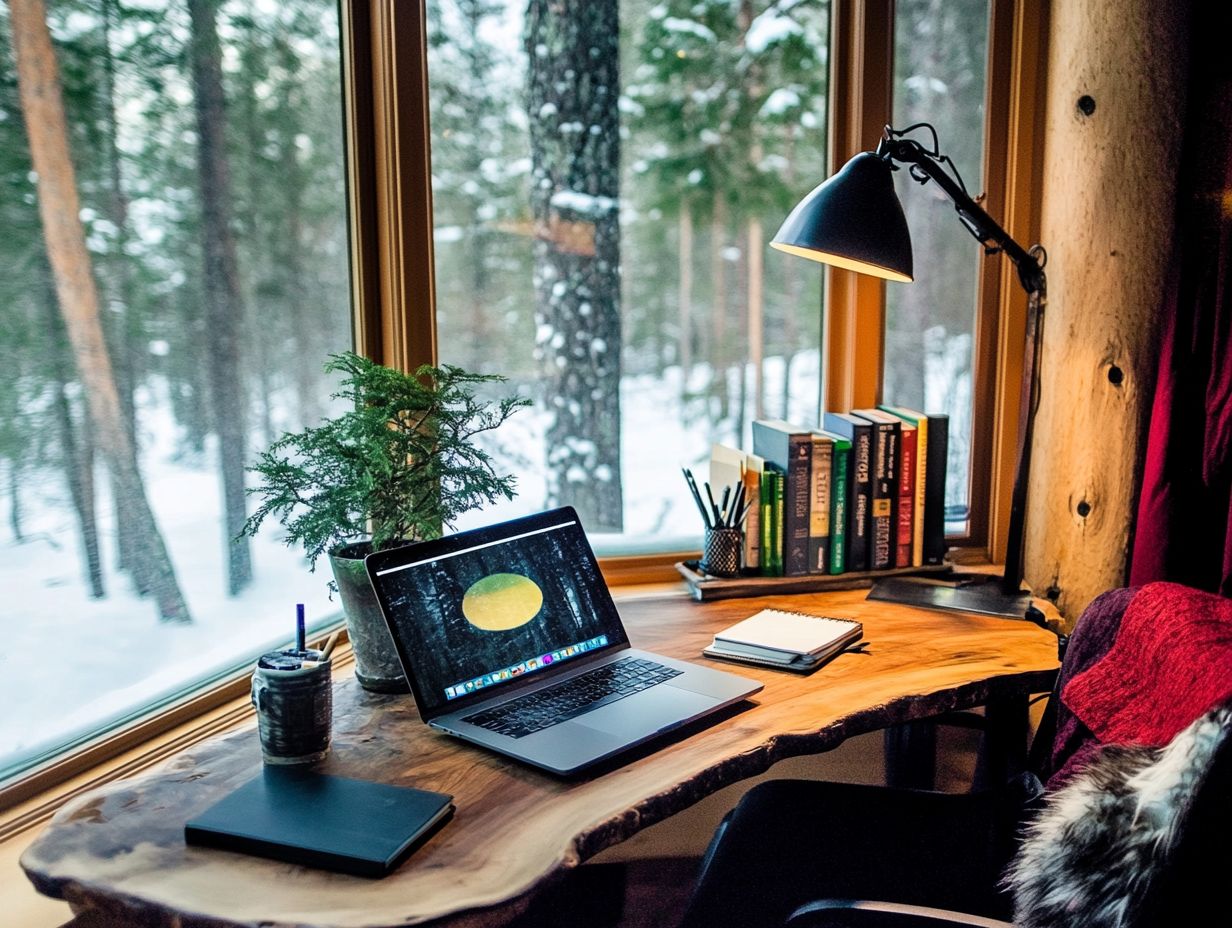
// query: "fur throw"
[[1090, 857]]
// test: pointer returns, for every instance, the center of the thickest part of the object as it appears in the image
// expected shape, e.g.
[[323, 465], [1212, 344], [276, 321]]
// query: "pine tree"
[[722, 92], [47, 132], [479, 199], [572, 103], [223, 309]]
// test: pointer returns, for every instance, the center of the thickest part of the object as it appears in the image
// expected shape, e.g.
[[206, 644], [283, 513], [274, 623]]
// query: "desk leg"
[[1003, 753], [911, 755]]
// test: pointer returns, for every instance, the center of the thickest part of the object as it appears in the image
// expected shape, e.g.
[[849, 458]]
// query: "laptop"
[[510, 640]]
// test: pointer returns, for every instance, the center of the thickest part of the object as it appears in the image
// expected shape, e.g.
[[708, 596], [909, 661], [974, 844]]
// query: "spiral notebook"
[[789, 640]]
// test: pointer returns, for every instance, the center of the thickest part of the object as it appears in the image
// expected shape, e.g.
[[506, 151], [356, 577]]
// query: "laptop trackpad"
[[647, 712]]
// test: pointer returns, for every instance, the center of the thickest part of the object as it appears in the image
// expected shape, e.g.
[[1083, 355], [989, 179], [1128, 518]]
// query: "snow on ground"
[[76, 666]]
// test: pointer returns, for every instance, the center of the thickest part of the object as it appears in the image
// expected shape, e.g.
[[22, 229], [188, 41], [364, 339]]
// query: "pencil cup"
[[295, 702], [721, 551]]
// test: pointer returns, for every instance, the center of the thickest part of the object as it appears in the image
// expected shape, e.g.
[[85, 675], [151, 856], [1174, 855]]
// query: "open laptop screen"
[[480, 609]]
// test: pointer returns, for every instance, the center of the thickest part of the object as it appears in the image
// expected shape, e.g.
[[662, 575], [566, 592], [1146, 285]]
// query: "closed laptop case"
[[340, 824]]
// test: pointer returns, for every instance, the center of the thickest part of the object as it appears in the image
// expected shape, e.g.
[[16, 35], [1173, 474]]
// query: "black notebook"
[[351, 826]]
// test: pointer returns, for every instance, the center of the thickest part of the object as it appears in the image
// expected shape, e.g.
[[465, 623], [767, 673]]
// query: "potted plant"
[[399, 464]]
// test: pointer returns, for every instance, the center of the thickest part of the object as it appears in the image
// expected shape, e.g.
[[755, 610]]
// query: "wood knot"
[[1086, 104]]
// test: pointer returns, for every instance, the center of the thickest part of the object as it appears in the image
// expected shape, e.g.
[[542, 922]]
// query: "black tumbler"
[[294, 699]]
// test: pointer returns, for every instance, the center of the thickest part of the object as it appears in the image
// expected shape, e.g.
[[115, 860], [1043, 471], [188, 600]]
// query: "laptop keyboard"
[[555, 704]]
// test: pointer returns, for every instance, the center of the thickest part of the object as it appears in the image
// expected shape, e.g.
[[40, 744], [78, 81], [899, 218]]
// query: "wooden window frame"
[[862, 65], [393, 243]]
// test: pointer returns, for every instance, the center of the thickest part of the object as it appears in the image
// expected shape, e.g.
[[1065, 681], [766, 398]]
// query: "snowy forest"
[[605, 179]]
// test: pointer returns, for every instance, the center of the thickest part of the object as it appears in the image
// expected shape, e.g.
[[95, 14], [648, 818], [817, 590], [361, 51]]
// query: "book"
[[793, 640], [820, 493], [905, 514], [778, 483], [859, 483], [886, 461], [839, 480], [934, 489], [790, 450], [920, 421], [336, 823], [726, 469], [754, 466], [765, 527], [771, 520], [797, 665]]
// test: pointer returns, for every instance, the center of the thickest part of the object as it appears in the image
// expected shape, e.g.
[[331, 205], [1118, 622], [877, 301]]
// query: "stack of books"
[[787, 640], [866, 492]]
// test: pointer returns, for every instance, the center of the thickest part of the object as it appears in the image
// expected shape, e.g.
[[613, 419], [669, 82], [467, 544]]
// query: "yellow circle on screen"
[[500, 602]]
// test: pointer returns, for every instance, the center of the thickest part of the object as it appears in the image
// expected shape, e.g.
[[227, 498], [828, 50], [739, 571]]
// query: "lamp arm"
[[894, 147], [986, 229]]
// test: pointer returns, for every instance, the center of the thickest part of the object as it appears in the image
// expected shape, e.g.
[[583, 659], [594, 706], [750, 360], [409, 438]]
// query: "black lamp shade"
[[854, 221]]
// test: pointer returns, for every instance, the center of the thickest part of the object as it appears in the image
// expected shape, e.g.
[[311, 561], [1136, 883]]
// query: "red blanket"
[[1171, 662]]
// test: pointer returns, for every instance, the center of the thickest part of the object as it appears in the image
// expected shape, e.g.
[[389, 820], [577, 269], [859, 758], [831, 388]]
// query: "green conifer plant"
[[400, 464]]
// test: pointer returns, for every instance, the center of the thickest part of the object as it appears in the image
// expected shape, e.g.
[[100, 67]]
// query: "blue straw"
[[300, 643]]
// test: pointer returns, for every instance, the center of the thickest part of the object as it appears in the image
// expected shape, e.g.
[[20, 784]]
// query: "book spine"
[[921, 484], [765, 526], [884, 496], [934, 490], [861, 499], [796, 505], [838, 510], [752, 519], [819, 506], [779, 485], [908, 439]]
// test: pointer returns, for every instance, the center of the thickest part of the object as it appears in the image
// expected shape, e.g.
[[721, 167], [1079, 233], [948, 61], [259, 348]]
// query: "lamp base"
[[979, 593]]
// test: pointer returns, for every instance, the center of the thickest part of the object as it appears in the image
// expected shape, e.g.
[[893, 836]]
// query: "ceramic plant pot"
[[376, 660]]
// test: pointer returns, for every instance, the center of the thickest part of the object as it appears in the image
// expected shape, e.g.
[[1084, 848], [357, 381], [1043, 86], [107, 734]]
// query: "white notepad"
[[791, 634]]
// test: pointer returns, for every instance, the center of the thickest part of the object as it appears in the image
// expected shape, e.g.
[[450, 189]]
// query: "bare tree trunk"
[[575, 197], [223, 309], [15, 500], [259, 338], [756, 319], [307, 371], [685, 308], [791, 271], [719, 325], [76, 456], [59, 208], [123, 328]]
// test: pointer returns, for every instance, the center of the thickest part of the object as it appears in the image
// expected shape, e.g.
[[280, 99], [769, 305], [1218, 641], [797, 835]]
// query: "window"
[[674, 328], [212, 224], [605, 179], [940, 68]]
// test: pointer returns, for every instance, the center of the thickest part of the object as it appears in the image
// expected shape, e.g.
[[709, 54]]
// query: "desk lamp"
[[855, 221]]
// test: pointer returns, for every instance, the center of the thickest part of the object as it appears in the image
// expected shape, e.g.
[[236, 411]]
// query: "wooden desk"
[[121, 850]]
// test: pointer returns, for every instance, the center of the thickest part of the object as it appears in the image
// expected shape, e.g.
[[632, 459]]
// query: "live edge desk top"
[[121, 849]]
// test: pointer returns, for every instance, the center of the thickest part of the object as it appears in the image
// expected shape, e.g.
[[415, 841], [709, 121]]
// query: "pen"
[[329, 646], [300, 645], [713, 507], [697, 496], [737, 517]]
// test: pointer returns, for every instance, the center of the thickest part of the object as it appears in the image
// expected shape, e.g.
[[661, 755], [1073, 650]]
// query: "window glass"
[[206, 142], [606, 178], [940, 66]]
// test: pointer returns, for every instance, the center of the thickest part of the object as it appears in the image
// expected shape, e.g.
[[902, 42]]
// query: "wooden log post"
[[1115, 106]]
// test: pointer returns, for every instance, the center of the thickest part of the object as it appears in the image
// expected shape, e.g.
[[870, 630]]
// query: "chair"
[[810, 854]]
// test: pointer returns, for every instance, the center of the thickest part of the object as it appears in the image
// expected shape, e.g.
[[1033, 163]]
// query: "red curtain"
[[1184, 523]]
